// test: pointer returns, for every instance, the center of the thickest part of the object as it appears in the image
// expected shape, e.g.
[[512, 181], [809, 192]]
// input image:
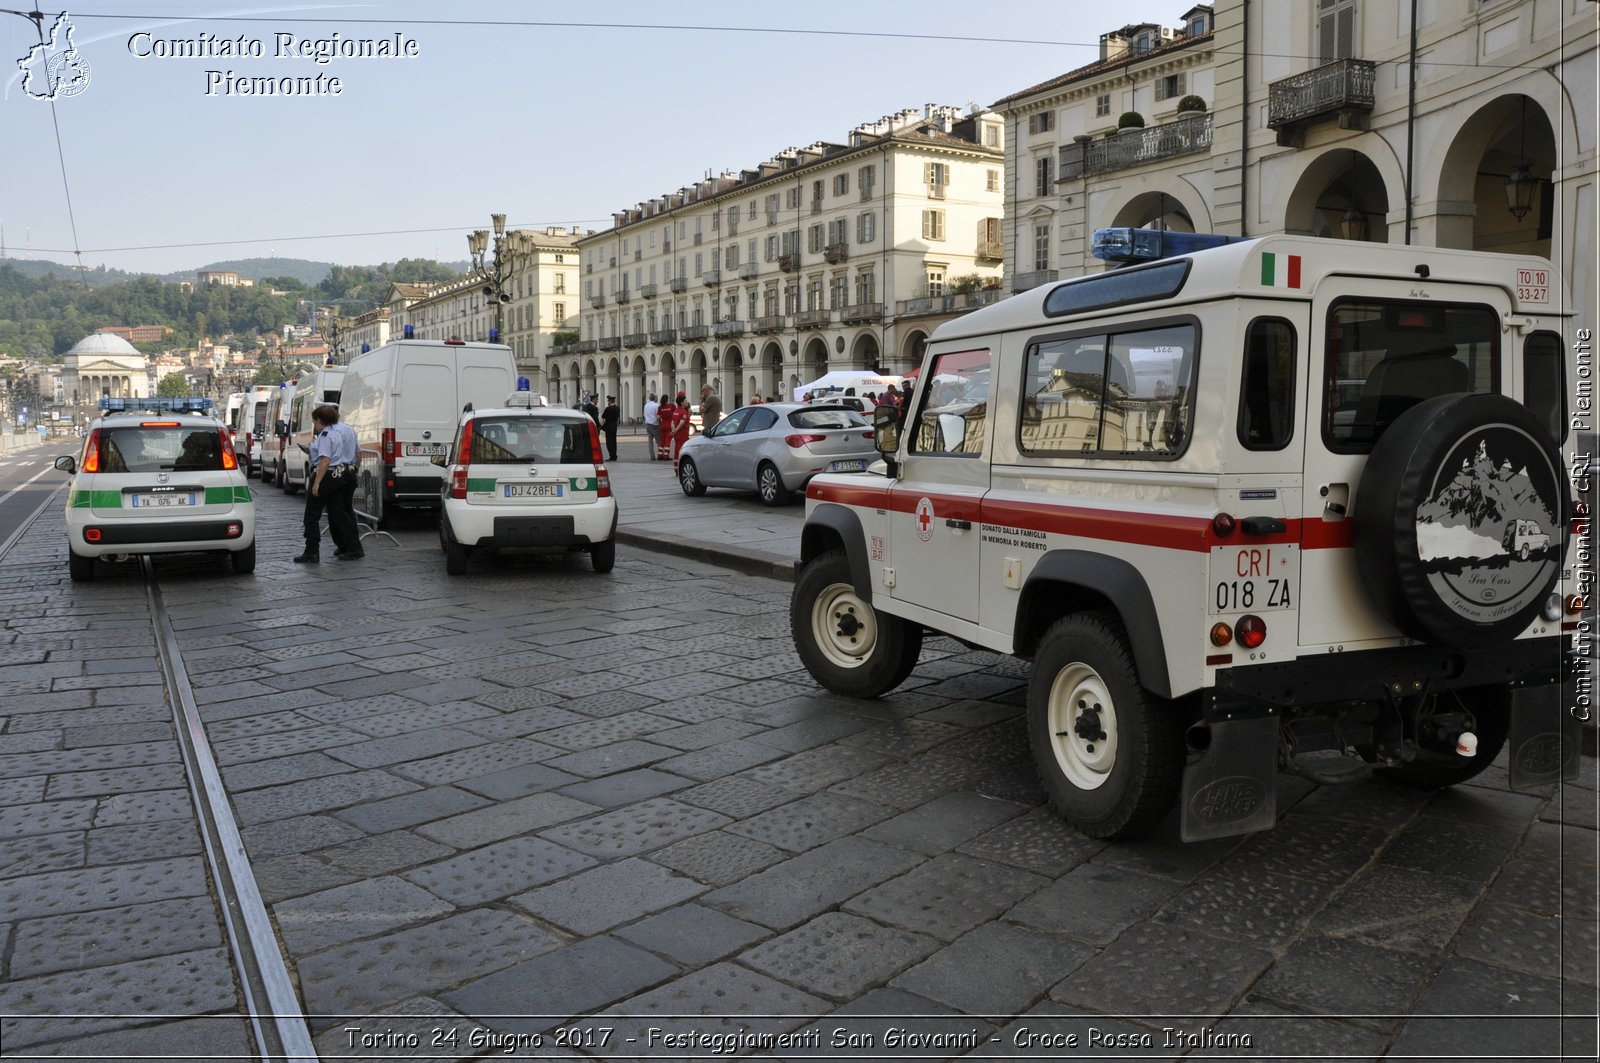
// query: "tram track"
[[271, 1003]]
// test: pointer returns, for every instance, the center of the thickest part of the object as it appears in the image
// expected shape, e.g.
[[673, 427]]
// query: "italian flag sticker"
[[1280, 271]]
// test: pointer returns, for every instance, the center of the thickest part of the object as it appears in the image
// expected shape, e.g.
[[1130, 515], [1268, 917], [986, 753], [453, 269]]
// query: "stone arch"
[[911, 351], [1162, 208], [1343, 194], [1477, 157], [612, 384], [815, 359], [866, 352]]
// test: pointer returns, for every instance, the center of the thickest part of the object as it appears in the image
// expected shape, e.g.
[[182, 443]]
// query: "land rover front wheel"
[[846, 645], [1109, 753]]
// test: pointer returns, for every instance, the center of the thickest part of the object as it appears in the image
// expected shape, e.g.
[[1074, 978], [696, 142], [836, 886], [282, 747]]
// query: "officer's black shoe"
[[350, 555], [307, 558]]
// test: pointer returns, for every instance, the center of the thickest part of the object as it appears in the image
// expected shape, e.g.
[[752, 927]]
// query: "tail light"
[[91, 452], [1251, 631], [602, 476], [458, 474], [386, 446], [869, 434], [798, 439], [229, 461]]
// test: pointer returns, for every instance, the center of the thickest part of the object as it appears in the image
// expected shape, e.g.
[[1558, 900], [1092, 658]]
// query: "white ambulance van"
[[256, 426], [1247, 505], [403, 400], [320, 388]]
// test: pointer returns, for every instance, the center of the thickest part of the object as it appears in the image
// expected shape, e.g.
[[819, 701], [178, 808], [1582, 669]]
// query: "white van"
[[404, 400], [272, 437], [321, 388], [247, 420]]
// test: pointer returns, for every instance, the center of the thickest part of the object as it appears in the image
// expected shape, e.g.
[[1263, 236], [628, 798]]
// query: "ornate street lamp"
[[496, 273], [1520, 183]]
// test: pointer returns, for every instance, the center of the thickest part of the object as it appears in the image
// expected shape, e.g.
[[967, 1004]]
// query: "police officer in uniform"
[[332, 487]]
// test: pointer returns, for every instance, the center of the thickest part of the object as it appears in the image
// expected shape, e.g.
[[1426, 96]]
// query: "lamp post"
[[496, 273]]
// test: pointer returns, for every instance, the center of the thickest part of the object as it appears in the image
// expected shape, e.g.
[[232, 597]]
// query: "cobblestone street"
[[485, 809]]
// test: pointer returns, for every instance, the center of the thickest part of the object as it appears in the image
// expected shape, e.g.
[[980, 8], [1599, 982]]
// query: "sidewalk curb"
[[743, 563]]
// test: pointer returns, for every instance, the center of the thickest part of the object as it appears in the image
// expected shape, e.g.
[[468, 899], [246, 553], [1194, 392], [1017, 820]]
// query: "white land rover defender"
[[1250, 505]]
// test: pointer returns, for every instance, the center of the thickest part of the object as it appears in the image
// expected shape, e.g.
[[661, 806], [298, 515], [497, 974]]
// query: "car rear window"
[[827, 417], [515, 440], [138, 448]]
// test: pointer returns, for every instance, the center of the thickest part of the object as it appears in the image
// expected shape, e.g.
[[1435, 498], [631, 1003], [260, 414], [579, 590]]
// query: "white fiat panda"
[[157, 476], [527, 477]]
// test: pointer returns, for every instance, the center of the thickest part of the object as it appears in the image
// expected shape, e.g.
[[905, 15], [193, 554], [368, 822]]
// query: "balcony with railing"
[[728, 328], [662, 337], [564, 348], [597, 301], [790, 262], [835, 253], [633, 339], [813, 318], [648, 291], [624, 296], [1135, 147], [711, 278], [925, 304], [1344, 88], [678, 284], [585, 346], [773, 323], [981, 297], [991, 251], [857, 313], [749, 270], [611, 343], [1024, 281], [696, 332]]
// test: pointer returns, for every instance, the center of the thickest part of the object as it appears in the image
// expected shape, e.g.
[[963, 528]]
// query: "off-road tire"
[[80, 568], [845, 644], [1491, 705], [243, 561], [1119, 785], [603, 556], [689, 478], [769, 485]]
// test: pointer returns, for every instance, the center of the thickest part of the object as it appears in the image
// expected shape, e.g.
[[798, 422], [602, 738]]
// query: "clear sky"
[[505, 107]]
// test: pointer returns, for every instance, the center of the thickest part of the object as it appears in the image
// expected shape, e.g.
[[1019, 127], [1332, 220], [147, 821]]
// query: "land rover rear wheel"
[[1110, 754], [846, 645]]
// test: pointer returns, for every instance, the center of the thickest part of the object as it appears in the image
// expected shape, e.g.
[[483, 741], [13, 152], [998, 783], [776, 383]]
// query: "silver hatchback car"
[[774, 448]]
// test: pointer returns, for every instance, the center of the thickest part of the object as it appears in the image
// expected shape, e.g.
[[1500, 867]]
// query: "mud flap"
[[1544, 740], [1232, 788]]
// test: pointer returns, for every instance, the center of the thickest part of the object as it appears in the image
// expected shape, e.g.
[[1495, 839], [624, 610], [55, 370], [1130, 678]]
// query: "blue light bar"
[[156, 404], [1148, 245]]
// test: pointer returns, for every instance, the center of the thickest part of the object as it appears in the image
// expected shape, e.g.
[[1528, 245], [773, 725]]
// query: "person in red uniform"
[[668, 415]]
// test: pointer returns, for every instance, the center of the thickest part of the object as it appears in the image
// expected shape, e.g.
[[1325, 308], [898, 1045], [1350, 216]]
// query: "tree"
[[174, 385]]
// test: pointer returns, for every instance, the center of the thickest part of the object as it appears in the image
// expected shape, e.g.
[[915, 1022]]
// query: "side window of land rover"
[[1266, 394], [954, 413], [1113, 395]]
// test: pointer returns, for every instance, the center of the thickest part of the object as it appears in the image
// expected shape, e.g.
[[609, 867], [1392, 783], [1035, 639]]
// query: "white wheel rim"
[[843, 626], [1080, 711]]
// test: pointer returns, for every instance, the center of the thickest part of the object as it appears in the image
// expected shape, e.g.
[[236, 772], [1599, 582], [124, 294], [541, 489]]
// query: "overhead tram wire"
[[548, 24], [37, 18]]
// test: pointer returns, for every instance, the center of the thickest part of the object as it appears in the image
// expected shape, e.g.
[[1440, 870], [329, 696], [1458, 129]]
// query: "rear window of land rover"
[[1118, 287]]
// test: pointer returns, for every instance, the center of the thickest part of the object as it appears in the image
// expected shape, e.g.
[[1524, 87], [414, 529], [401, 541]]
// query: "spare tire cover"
[[1460, 520]]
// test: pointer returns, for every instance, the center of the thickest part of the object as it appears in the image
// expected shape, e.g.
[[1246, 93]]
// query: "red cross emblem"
[[924, 520]]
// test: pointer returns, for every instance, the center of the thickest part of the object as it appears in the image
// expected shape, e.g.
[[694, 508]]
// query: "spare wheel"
[[1461, 520]]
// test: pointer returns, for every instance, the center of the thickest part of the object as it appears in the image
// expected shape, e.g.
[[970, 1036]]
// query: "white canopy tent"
[[849, 381]]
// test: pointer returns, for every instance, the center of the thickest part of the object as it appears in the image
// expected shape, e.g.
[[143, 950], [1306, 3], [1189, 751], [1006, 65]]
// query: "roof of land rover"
[[1242, 269]]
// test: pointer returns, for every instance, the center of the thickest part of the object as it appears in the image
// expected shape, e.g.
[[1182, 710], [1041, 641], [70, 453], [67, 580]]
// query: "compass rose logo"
[[65, 71]]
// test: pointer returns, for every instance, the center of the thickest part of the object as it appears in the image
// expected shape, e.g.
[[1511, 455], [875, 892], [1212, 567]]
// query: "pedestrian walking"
[[652, 424], [331, 488], [608, 424], [710, 408]]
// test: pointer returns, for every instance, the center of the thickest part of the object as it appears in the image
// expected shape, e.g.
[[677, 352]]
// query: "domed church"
[[104, 364]]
